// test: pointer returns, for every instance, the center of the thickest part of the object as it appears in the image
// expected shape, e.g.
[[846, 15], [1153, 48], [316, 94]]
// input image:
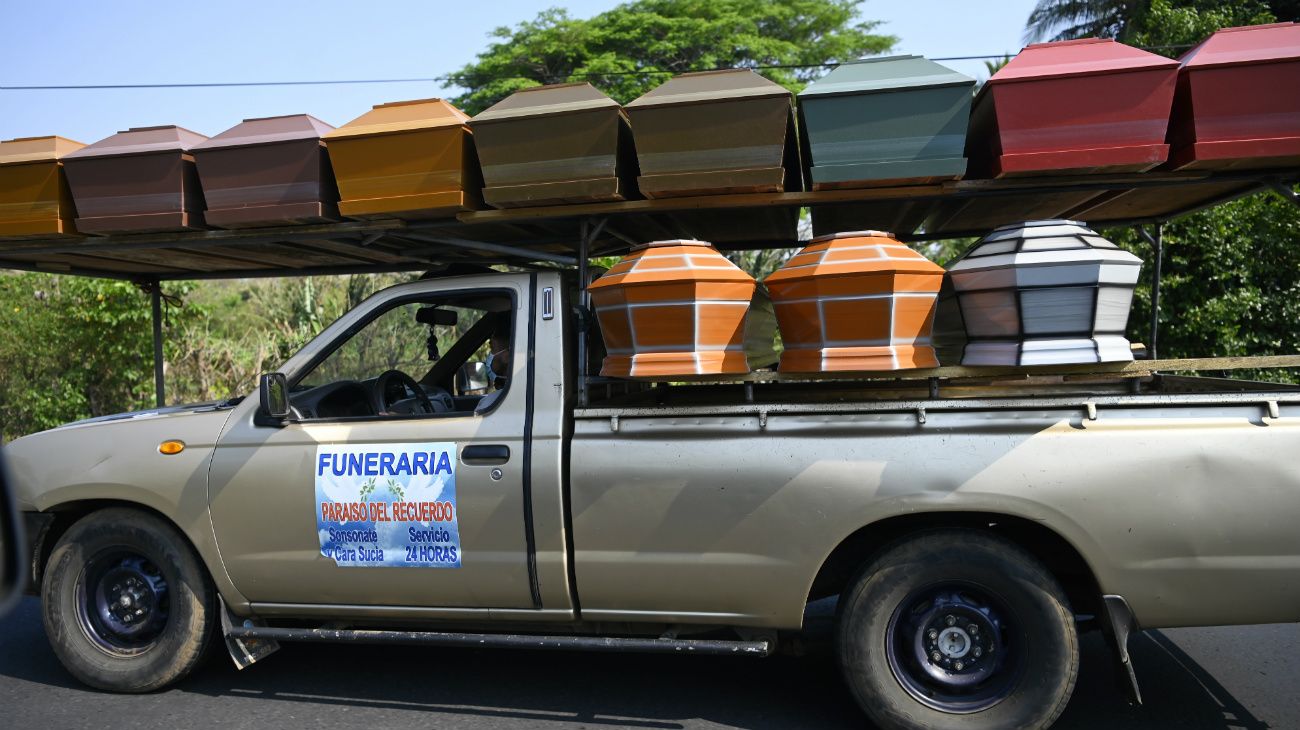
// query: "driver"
[[498, 361]]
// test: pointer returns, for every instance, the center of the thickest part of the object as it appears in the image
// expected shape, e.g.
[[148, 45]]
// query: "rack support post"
[[1158, 248], [155, 300], [584, 311]]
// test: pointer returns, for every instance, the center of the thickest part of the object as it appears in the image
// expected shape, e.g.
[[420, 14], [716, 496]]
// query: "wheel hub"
[[959, 640], [123, 602], [946, 648]]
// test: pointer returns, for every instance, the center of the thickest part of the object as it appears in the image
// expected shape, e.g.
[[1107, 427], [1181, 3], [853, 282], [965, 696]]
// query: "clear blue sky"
[[132, 41]]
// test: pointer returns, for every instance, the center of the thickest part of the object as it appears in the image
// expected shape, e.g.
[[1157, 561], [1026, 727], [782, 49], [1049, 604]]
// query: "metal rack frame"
[[564, 236]]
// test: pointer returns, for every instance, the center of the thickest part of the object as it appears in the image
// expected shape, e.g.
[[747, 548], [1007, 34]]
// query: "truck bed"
[[727, 503]]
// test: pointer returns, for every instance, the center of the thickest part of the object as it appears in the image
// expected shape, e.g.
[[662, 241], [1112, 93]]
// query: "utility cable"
[[459, 80]]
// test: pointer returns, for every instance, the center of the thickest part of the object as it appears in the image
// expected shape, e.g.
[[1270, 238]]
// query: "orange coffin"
[[406, 159], [673, 308], [34, 197], [856, 301]]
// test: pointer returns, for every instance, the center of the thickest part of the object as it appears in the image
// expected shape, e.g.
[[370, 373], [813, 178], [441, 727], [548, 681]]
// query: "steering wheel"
[[379, 392]]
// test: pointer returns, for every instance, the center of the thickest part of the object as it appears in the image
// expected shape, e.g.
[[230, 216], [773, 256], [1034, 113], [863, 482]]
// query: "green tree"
[[634, 47], [1150, 22], [1230, 283], [75, 347]]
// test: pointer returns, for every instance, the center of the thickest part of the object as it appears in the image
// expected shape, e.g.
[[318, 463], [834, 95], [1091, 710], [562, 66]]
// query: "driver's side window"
[[422, 357]]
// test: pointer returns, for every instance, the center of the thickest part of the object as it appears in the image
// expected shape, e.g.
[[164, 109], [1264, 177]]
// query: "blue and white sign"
[[388, 505]]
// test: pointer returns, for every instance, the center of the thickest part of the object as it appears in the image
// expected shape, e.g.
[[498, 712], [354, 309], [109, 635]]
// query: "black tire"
[[896, 610], [170, 602]]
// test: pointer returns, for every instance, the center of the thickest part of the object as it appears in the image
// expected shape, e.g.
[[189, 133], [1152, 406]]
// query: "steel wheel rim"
[[122, 602], [955, 647]]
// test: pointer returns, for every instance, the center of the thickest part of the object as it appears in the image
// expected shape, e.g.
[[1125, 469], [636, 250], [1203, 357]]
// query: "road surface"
[[1237, 678]]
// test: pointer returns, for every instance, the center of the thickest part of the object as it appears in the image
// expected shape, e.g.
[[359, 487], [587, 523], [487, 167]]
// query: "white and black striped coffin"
[[1044, 293]]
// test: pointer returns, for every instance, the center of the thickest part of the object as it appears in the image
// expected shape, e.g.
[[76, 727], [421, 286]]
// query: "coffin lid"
[[141, 140], [1246, 45], [267, 130], [706, 87], [1042, 241], [402, 116], [873, 259], [36, 149], [626, 268], [1083, 57], [546, 101], [888, 73]]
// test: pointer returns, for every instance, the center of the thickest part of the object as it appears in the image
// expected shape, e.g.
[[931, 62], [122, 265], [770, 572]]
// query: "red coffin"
[[1238, 100], [1090, 105]]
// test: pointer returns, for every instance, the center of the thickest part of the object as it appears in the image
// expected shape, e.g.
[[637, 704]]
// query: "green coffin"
[[886, 121]]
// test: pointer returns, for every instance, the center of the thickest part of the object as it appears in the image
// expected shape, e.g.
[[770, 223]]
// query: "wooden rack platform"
[[550, 235]]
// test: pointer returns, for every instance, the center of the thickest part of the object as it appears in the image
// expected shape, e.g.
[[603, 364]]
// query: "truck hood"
[[155, 412], [113, 457]]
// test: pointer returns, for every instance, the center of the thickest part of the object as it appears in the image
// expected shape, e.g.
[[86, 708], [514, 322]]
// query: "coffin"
[[1238, 100], [34, 197], [406, 159], [137, 181], [267, 172], [551, 145], [714, 133], [673, 308], [1089, 105], [1045, 292], [886, 121], [856, 301]]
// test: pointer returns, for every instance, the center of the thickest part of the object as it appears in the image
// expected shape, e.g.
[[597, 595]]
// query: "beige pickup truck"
[[379, 490]]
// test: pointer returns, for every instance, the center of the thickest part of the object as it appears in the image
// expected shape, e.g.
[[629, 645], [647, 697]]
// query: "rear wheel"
[[127, 605], [958, 629]]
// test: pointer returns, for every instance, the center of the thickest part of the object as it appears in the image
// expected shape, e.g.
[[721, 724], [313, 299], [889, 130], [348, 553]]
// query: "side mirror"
[[12, 546], [273, 391], [472, 378]]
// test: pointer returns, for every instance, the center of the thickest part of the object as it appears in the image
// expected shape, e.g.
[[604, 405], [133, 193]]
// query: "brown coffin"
[[34, 197], [551, 145], [716, 132], [406, 159], [267, 172], [673, 308], [137, 181]]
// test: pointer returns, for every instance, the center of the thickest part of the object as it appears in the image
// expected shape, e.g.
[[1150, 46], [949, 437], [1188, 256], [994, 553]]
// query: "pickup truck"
[[372, 491]]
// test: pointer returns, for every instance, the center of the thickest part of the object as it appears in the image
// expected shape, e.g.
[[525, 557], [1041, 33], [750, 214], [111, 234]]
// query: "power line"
[[459, 80]]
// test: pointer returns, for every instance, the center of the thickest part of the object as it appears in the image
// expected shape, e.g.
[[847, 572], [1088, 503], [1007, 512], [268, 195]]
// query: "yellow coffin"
[[407, 159], [34, 197]]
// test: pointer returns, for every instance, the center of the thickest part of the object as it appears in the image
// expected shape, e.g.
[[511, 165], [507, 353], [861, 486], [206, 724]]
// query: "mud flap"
[[1118, 624], [244, 652]]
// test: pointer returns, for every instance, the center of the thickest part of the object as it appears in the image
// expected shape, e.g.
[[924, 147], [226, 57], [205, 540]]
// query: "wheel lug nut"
[[932, 634], [974, 629], [979, 651], [959, 666], [935, 656], [127, 618], [951, 620]]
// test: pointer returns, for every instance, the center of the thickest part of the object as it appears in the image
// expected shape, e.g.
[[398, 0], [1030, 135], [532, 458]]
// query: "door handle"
[[485, 454]]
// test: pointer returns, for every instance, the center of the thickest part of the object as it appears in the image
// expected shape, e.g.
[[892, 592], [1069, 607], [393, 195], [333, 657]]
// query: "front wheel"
[[127, 605], [958, 630]]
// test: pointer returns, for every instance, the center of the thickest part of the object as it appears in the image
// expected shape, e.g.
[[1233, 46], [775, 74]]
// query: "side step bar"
[[715, 647]]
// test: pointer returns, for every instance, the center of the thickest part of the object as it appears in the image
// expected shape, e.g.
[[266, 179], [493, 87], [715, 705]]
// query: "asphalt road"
[[1238, 678]]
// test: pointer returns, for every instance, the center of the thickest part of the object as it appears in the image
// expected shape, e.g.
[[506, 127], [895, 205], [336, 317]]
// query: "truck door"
[[399, 481]]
